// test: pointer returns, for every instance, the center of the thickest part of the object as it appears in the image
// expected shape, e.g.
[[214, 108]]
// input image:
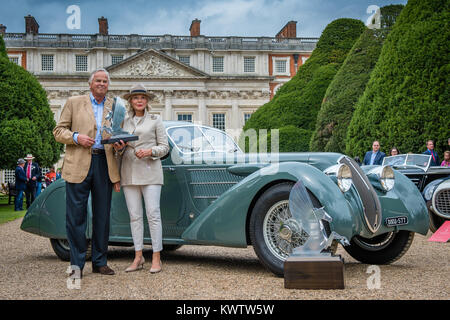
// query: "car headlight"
[[343, 175], [386, 176]]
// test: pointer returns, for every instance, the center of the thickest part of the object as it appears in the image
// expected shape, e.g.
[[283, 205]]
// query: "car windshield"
[[191, 139], [416, 160]]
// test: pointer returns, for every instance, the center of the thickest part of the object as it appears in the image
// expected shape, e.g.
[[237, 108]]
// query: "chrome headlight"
[[386, 176], [343, 175]]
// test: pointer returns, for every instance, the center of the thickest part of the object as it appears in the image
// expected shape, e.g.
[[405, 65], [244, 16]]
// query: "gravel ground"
[[30, 270]]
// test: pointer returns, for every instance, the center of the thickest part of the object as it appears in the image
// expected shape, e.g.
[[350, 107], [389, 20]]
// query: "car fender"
[[47, 214], [224, 221]]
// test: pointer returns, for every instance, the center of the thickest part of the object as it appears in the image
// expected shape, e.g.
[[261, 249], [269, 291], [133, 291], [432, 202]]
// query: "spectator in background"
[[374, 157], [394, 151], [32, 172], [21, 184], [434, 155], [58, 173], [446, 162], [50, 176], [39, 183]]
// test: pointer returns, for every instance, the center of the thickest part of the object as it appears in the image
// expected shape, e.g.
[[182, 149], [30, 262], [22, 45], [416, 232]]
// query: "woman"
[[394, 152], [141, 173], [446, 162]]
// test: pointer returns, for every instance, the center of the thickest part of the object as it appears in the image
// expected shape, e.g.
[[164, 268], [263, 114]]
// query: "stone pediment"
[[153, 64]]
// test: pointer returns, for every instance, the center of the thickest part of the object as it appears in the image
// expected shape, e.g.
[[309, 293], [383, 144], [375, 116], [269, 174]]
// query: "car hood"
[[320, 160]]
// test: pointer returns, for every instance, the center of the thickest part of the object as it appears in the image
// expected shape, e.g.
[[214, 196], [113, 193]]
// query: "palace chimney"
[[288, 31], [31, 25], [195, 28], [103, 26], [2, 29]]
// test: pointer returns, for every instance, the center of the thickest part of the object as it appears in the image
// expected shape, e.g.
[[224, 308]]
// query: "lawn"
[[7, 212]]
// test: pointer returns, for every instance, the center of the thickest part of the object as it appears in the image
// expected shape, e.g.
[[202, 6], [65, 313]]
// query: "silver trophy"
[[311, 265], [309, 219], [115, 117]]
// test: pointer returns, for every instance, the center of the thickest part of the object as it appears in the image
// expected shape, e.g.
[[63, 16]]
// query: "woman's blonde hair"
[[130, 107]]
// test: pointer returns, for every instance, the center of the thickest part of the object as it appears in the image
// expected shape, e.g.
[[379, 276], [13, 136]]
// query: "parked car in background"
[[215, 194], [432, 181]]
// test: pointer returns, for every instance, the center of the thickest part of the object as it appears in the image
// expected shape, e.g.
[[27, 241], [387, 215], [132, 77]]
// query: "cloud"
[[219, 17]]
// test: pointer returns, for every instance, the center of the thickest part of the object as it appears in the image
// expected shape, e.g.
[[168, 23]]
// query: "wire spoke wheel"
[[281, 232]]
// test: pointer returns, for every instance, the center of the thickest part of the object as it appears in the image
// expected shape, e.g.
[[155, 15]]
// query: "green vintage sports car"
[[214, 194]]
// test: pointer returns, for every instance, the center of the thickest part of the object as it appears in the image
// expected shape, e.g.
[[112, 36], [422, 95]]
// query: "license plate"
[[397, 221]]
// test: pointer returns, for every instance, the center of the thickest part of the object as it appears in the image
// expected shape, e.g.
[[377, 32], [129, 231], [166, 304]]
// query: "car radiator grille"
[[443, 202], [369, 198], [210, 183]]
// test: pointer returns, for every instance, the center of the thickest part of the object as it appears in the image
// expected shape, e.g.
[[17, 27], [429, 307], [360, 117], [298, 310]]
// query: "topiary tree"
[[26, 121], [3, 53], [298, 101], [348, 85], [407, 98]]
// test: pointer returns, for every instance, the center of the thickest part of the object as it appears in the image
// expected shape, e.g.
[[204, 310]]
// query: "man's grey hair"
[[99, 70]]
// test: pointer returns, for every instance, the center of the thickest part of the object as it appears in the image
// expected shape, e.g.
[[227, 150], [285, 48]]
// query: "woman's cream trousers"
[[152, 195]]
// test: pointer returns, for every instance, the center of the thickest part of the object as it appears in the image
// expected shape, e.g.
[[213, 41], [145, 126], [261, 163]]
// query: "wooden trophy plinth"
[[320, 272]]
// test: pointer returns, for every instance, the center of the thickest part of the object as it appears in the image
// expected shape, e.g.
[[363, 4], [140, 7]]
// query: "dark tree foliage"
[[3, 53], [348, 85], [406, 100], [26, 121], [298, 101]]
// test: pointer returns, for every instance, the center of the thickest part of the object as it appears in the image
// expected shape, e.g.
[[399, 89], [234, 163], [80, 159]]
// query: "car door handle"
[[171, 169]]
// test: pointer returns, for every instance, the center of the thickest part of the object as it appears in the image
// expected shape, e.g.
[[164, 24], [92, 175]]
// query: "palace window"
[[280, 66], [185, 59], [115, 59], [81, 63], [219, 121], [185, 117], [249, 64], [217, 64], [14, 60], [47, 62], [246, 117]]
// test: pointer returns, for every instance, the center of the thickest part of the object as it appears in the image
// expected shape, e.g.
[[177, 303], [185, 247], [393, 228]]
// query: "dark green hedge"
[[407, 98], [348, 85], [26, 121], [298, 101], [3, 53]]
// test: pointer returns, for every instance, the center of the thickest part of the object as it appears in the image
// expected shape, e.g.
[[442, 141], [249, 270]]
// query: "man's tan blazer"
[[78, 116]]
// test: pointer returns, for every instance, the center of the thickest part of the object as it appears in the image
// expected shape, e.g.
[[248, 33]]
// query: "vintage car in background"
[[214, 194], [432, 181]]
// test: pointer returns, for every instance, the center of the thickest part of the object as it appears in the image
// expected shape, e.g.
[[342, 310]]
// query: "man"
[[88, 166], [21, 184], [434, 155], [374, 157], [33, 173]]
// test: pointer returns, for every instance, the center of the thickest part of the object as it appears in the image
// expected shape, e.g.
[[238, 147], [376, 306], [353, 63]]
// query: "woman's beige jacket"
[[152, 135]]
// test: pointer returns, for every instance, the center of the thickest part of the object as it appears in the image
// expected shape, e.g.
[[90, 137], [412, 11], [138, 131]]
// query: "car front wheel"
[[273, 231], [383, 249]]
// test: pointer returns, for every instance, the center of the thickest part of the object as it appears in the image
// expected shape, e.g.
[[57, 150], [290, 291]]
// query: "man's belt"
[[98, 151]]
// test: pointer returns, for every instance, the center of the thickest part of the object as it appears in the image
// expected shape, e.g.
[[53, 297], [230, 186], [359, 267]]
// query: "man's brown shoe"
[[105, 270]]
